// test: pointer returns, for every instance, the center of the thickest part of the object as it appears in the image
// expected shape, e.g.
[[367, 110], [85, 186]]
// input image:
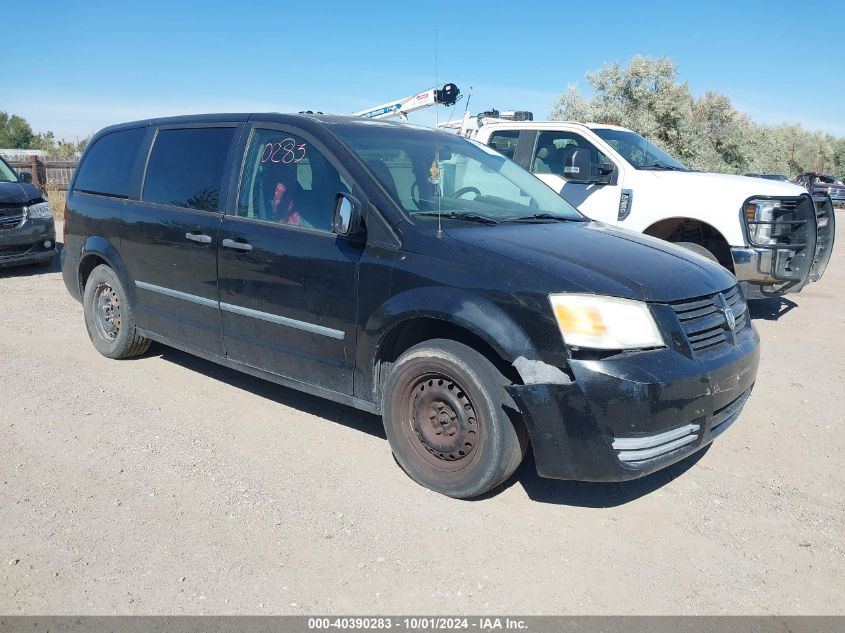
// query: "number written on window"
[[285, 151]]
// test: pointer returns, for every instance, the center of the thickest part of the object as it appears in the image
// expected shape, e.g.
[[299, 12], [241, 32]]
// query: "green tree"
[[61, 148], [15, 132], [706, 133], [643, 96]]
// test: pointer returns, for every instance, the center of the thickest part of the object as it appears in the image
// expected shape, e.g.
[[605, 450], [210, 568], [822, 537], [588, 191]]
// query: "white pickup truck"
[[772, 235]]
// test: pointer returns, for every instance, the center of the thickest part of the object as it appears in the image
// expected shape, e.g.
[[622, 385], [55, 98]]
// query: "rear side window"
[[109, 165], [504, 142], [186, 167]]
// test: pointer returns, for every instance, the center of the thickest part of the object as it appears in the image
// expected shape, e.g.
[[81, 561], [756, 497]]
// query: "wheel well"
[[696, 231], [413, 331], [89, 263]]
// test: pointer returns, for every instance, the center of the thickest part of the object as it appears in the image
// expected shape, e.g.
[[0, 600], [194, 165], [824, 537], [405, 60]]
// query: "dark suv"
[[27, 230], [413, 274]]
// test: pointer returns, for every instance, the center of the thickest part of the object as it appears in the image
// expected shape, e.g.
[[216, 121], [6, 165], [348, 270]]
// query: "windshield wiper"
[[663, 167], [541, 217], [453, 215]]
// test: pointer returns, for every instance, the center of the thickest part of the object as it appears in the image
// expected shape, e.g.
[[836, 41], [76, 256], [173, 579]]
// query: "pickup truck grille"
[[11, 217], [793, 235], [705, 320]]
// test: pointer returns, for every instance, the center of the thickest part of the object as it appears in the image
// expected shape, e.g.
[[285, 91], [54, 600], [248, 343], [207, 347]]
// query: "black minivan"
[[414, 274], [27, 231]]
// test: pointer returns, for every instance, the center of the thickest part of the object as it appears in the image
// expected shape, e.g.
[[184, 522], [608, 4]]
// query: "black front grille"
[[11, 216], [705, 321], [10, 251], [792, 234]]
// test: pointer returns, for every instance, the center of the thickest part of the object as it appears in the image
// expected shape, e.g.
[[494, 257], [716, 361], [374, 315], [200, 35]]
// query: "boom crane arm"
[[447, 95]]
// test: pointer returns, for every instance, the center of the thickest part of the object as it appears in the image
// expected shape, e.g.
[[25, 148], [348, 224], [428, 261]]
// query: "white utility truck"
[[774, 236]]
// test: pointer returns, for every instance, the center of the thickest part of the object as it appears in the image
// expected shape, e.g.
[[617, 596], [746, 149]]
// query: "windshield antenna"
[[435, 167]]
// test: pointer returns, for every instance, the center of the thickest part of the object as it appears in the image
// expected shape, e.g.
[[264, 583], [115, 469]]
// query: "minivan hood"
[[14, 192], [741, 186], [596, 258]]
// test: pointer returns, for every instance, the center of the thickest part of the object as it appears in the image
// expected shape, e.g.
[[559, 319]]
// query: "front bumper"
[[755, 268], [25, 244], [632, 414], [778, 269]]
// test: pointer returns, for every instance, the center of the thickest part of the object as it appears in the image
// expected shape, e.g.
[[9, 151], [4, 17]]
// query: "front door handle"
[[238, 246], [198, 237]]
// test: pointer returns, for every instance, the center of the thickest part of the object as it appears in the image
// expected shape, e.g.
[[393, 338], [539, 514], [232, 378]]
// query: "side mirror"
[[25, 177], [577, 165], [347, 215]]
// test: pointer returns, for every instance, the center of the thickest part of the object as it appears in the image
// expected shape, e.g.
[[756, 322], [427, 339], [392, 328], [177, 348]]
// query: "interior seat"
[[546, 159]]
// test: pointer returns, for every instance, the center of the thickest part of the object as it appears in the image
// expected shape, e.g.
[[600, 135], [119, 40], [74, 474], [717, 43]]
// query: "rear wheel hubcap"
[[107, 313]]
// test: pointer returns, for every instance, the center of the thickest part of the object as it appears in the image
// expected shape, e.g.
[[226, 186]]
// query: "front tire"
[[445, 414], [109, 318]]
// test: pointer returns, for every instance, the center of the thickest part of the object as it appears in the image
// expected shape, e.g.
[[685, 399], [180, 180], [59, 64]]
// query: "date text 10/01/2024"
[[418, 623]]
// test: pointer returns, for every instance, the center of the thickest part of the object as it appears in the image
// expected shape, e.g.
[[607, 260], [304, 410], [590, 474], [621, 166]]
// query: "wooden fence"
[[47, 171]]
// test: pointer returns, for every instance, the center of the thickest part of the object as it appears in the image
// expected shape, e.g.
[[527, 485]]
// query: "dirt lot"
[[170, 485]]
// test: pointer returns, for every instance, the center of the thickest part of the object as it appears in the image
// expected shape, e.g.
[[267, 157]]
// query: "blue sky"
[[98, 63]]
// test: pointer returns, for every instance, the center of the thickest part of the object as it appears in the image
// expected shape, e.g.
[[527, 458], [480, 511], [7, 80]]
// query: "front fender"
[[715, 199], [727, 224], [455, 306]]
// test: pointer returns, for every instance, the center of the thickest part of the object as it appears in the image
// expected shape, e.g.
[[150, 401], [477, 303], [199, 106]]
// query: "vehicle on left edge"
[[27, 229]]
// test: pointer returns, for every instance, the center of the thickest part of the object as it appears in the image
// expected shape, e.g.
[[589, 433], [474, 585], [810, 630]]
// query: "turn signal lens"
[[750, 211]]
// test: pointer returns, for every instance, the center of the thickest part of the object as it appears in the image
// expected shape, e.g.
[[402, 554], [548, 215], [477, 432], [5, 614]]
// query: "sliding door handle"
[[202, 238], [238, 246]]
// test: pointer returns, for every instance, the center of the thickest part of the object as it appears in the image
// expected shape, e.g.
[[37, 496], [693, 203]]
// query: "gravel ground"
[[168, 484]]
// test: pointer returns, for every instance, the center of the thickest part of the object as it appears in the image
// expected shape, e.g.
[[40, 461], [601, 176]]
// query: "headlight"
[[605, 322], [761, 211], [40, 210]]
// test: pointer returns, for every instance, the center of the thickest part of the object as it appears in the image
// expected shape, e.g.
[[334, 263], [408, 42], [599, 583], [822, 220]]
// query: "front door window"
[[289, 181]]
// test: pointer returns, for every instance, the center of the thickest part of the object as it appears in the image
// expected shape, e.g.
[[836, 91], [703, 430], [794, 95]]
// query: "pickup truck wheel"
[[109, 318], [446, 421], [699, 249]]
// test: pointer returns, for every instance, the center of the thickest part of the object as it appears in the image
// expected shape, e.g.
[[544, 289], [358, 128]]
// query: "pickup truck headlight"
[[760, 211], [599, 322], [40, 210]]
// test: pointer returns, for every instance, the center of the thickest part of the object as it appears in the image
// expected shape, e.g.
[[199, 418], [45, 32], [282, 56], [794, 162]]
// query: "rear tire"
[[445, 413], [699, 249], [109, 318]]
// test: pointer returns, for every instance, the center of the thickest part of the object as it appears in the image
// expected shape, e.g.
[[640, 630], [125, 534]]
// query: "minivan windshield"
[[431, 173], [639, 151], [7, 174]]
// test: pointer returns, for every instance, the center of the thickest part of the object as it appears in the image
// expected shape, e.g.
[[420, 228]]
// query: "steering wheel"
[[464, 190]]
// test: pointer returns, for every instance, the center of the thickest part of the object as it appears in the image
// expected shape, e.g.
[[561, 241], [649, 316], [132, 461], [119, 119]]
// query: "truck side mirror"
[[347, 215], [25, 177], [578, 165]]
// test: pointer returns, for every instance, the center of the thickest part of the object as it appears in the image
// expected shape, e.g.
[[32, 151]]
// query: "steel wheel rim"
[[107, 312], [442, 423]]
